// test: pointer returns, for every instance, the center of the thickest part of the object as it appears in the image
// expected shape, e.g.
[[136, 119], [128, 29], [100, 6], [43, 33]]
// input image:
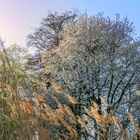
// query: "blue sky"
[[18, 18]]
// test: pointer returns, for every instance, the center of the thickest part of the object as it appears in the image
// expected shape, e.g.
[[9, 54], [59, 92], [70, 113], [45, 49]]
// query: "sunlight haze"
[[18, 18]]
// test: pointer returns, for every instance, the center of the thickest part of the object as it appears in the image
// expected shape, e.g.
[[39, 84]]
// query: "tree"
[[97, 57]]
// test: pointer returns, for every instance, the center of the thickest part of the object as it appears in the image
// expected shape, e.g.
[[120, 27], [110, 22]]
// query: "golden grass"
[[64, 118]]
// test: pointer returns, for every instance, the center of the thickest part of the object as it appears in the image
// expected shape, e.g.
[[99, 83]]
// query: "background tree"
[[51, 31]]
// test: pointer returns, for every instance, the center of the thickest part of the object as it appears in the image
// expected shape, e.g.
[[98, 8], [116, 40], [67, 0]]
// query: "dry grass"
[[64, 122]]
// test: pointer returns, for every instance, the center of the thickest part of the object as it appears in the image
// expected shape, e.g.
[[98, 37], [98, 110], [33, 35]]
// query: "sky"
[[18, 18]]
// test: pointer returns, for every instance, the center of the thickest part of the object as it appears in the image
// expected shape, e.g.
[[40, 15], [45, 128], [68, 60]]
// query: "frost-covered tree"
[[96, 57]]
